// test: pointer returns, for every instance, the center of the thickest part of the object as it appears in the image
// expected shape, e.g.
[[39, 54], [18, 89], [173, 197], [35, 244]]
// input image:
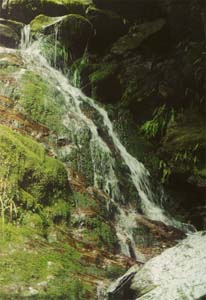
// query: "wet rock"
[[25, 11], [10, 33], [73, 31]]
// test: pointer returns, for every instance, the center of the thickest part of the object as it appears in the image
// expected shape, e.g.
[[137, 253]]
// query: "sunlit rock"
[[178, 273]]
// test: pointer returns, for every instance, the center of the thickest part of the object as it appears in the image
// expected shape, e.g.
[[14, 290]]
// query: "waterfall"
[[25, 37], [75, 120]]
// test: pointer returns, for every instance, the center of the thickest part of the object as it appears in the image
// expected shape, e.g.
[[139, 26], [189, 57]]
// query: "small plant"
[[162, 116], [189, 157]]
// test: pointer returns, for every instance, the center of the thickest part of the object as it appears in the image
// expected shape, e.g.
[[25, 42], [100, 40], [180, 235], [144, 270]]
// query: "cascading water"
[[25, 37], [76, 121]]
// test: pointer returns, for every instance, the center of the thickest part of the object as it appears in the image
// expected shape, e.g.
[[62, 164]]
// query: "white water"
[[77, 122]]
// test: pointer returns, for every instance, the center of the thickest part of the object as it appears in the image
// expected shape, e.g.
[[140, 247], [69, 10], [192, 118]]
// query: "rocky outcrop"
[[137, 36], [180, 14]]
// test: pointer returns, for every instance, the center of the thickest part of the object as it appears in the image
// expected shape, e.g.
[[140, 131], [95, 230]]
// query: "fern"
[[162, 116]]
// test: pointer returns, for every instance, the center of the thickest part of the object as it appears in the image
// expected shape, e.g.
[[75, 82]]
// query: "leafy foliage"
[[157, 126]]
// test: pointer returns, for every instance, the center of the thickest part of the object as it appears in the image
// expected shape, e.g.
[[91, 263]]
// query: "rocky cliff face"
[[144, 61]]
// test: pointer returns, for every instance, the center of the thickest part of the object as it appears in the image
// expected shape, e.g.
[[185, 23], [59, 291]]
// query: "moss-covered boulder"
[[73, 31], [25, 11], [137, 36]]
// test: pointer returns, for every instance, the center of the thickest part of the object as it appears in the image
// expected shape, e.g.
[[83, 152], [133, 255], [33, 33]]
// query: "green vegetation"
[[41, 101], [41, 22], [30, 179], [35, 203], [101, 233], [114, 271], [92, 215], [104, 71], [35, 268], [158, 125]]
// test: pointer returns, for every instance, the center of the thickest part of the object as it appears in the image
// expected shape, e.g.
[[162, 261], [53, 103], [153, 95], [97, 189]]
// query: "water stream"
[[75, 120]]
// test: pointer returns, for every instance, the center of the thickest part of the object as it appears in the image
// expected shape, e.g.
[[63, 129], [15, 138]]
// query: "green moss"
[[29, 177], [83, 201], [41, 101], [52, 270], [58, 212], [104, 71], [42, 21], [92, 215], [100, 233]]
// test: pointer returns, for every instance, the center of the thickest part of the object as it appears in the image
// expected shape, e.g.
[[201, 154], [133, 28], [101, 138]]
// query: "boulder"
[[73, 31], [178, 273], [137, 36], [25, 11]]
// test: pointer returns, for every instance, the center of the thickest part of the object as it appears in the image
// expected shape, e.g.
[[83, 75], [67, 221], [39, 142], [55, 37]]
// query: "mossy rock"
[[24, 11], [41, 22], [73, 31], [137, 36]]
